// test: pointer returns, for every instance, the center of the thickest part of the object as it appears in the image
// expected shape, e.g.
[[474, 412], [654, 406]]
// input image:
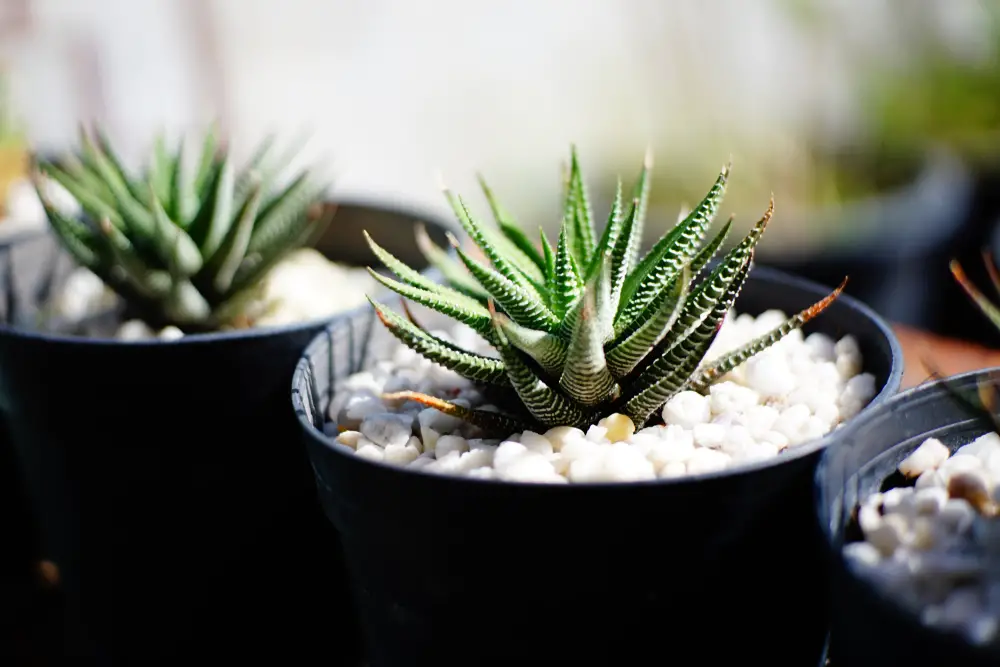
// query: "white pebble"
[[729, 397], [709, 435], [686, 409], [507, 453], [535, 442], [705, 460], [371, 452], [562, 435], [673, 469], [401, 454], [450, 443], [929, 455], [769, 374], [387, 428]]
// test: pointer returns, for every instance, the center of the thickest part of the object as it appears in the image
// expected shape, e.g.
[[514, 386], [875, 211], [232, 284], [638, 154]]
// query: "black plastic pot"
[[170, 487], [869, 627], [453, 571]]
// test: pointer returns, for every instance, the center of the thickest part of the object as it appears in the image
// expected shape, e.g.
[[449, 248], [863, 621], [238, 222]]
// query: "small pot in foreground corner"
[[918, 587], [170, 492], [452, 570]]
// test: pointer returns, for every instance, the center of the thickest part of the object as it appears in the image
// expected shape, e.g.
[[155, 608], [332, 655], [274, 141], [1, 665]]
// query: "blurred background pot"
[[169, 487]]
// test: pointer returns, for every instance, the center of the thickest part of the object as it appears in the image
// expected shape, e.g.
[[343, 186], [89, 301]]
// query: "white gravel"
[[935, 546], [303, 286], [796, 391]]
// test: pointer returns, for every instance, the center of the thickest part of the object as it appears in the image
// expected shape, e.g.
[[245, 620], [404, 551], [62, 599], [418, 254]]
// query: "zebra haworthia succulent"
[[187, 240], [588, 327]]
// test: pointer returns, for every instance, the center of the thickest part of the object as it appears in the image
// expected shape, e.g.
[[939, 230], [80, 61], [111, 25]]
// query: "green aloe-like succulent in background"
[[588, 327], [186, 240]]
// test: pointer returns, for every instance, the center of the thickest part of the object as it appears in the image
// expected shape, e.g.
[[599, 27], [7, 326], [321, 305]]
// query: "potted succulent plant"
[[600, 450], [154, 427], [910, 507]]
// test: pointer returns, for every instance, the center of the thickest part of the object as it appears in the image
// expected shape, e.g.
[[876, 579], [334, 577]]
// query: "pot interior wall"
[[595, 572], [870, 628]]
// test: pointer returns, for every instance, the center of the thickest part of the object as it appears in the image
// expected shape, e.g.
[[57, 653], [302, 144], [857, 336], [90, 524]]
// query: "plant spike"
[[582, 328], [716, 369], [986, 307], [475, 367], [454, 273], [178, 241], [491, 422]]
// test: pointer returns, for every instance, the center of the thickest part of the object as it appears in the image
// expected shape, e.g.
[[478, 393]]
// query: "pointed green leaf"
[[286, 209], [186, 305], [104, 144], [221, 219], [545, 348], [466, 312], [580, 216], [161, 169], [173, 246], [150, 283], [520, 305], [619, 256], [489, 244], [227, 259], [623, 356], [670, 253], [671, 367], [716, 369], [544, 403], [640, 197], [78, 238], [706, 254], [586, 378], [412, 277], [184, 201], [510, 228], [475, 367], [207, 161], [568, 284], [93, 205], [985, 306], [456, 274], [610, 234]]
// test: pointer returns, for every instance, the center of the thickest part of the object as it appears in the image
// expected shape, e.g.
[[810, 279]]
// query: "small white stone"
[[737, 439], [956, 516], [401, 454], [779, 440], [870, 514], [481, 457], [791, 421], [821, 347], [626, 464], [507, 453], [596, 433], [898, 501], [861, 387], [929, 500], [450, 443], [931, 479], [768, 373], [618, 427], [387, 428], [134, 330], [429, 438], [759, 419], [562, 435], [448, 464], [889, 534], [729, 397], [170, 333], [757, 451], [350, 438], [709, 435], [929, 455], [972, 485], [686, 409], [983, 445], [673, 469], [482, 473], [535, 442], [664, 452], [705, 460], [371, 452], [861, 554], [960, 463]]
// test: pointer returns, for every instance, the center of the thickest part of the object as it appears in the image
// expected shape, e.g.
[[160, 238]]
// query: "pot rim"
[[399, 207], [804, 450]]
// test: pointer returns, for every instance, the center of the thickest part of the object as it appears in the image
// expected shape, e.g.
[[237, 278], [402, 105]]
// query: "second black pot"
[[171, 489], [869, 629], [722, 568]]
